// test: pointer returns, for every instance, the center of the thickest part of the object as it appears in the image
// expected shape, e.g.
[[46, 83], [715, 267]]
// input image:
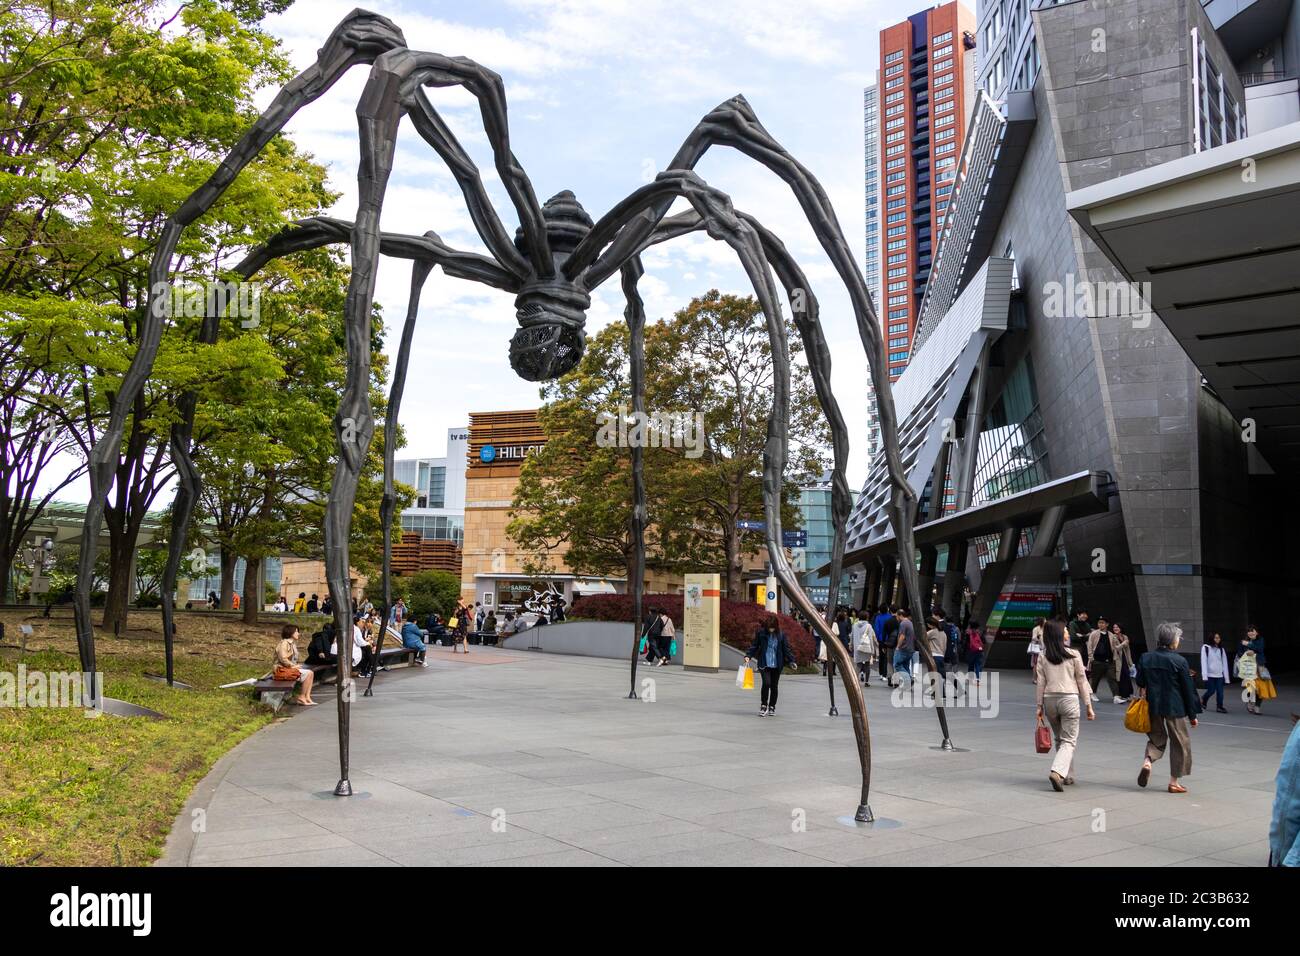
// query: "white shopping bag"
[[740, 675]]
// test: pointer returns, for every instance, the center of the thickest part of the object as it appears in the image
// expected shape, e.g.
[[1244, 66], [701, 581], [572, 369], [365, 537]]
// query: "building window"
[[895, 260], [897, 314], [896, 81], [896, 244], [897, 216], [894, 57], [941, 38], [897, 287], [897, 357], [945, 148], [895, 203], [894, 70], [896, 273], [894, 150], [945, 120], [898, 327], [942, 51], [895, 190], [945, 80], [946, 106], [941, 66], [944, 134], [900, 343]]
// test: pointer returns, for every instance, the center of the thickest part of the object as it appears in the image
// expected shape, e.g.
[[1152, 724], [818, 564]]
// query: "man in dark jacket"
[[1166, 683], [771, 652]]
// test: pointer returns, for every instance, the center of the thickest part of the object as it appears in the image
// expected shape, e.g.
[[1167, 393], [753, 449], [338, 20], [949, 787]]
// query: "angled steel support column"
[[1009, 543], [970, 452], [929, 560], [954, 578], [1049, 531]]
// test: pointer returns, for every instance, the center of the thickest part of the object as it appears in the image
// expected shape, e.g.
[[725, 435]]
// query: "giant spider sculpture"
[[557, 256]]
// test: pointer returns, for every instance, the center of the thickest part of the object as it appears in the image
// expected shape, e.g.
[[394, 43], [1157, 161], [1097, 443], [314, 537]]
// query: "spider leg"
[[419, 273], [412, 70], [806, 312], [635, 313], [721, 221], [734, 124], [437, 134], [360, 38]]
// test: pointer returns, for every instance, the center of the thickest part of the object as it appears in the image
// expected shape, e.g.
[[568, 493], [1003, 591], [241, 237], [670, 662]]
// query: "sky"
[[600, 96]]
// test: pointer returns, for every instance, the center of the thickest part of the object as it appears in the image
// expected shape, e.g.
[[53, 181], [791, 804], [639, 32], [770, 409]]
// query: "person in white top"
[[1035, 647], [864, 649], [1214, 670]]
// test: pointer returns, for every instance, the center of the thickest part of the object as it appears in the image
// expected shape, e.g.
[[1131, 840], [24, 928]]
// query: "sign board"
[[769, 599], [1016, 611], [760, 594], [751, 525], [701, 607], [794, 539]]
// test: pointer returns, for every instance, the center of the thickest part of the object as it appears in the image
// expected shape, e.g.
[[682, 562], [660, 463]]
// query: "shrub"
[[428, 592], [739, 619]]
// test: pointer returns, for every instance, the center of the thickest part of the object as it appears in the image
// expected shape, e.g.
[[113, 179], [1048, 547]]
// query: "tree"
[[710, 366], [109, 119], [428, 592]]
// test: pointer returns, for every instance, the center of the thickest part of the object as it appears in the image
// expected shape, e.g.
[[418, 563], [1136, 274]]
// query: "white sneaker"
[[1120, 700], [1095, 697]]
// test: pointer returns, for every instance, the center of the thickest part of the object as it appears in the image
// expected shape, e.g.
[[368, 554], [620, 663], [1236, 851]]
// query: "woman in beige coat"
[[1060, 684]]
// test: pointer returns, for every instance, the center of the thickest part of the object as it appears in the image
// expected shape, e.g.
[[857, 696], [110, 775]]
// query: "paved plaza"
[[509, 757]]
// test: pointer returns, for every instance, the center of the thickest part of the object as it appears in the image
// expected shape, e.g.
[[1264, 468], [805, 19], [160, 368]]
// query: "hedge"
[[740, 619]]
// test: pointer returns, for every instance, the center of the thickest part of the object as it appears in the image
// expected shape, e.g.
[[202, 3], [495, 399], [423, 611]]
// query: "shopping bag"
[[749, 679], [1138, 717], [672, 649], [641, 649], [742, 673], [1042, 738]]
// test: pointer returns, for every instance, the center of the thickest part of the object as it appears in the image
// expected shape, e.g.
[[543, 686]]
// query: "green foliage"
[[428, 592]]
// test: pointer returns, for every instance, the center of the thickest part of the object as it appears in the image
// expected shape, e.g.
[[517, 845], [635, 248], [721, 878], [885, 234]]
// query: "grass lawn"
[[104, 791]]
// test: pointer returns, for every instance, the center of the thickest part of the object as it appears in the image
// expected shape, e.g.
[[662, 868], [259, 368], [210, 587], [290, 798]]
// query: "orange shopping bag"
[[749, 679]]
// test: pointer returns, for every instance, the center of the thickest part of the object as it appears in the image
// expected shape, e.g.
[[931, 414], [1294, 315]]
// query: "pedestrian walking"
[[1060, 683], [1121, 652], [906, 645], [886, 626], [1214, 671], [1166, 683], [937, 642], [1077, 637], [865, 650], [1101, 662], [654, 623], [1036, 647], [667, 635], [975, 649], [771, 651], [1264, 687]]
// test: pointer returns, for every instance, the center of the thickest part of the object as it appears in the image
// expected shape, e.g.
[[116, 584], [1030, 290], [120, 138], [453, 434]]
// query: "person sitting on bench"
[[413, 639], [286, 665]]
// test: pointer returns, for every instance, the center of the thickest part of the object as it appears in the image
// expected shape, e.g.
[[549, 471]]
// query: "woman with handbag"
[[1264, 688], [975, 649], [286, 665], [1166, 683], [771, 651], [1060, 683]]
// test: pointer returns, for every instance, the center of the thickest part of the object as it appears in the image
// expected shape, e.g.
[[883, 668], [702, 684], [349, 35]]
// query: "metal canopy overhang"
[[1217, 236], [1082, 494]]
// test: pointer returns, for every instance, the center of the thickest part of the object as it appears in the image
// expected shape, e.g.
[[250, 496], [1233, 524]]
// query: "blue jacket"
[[1284, 831], [411, 636]]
